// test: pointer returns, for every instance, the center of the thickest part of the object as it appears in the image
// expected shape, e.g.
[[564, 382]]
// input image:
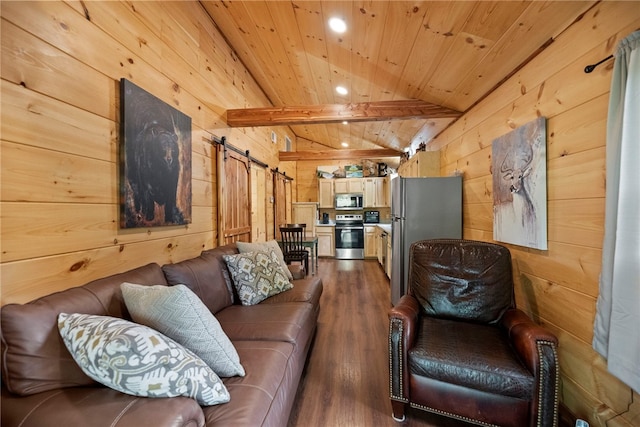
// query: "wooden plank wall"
[[61, 64], [558, 287]]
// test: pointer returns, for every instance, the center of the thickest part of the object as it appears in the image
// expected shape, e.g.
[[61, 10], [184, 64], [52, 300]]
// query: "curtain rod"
[[223, 141], [590, 68]]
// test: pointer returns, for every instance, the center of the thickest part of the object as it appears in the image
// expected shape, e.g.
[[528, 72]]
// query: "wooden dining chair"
[[292, 246]]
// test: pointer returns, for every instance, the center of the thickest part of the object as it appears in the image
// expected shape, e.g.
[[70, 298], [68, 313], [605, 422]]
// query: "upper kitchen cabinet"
[[348, 185], [305, 213], [325, 193], [376, 192], [421, 164]]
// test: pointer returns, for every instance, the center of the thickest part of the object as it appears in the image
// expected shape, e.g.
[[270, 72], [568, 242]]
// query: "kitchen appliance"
[[348, 201], [371, 217], [349, 236], [325, 218], [421, 208]]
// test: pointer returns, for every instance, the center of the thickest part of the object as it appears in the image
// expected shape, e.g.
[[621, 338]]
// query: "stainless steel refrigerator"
[[421, 208]]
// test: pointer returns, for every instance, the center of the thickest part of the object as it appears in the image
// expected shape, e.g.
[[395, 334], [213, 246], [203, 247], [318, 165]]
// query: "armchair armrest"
[[403, 324], [537, 348]]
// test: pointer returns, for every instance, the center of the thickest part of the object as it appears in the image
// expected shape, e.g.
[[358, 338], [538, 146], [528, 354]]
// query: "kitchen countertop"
[[384, 227], [321, 224]]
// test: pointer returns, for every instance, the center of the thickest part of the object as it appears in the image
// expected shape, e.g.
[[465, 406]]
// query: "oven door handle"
[[349, 228]]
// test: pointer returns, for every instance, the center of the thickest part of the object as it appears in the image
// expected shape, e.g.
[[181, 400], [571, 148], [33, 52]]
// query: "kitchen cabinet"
[[376, 192], [348, 185], [370, 241], [325, 193], [326, 245], [421, 164], [305, 213]]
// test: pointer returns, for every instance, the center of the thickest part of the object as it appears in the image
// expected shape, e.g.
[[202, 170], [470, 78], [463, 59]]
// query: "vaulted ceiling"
[[447, 53]]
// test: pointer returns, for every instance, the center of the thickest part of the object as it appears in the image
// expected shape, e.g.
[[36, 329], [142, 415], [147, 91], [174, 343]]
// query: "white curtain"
[[617, 324]]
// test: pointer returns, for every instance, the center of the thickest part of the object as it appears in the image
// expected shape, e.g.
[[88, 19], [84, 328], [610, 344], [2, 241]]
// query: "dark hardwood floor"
[[346, 380]]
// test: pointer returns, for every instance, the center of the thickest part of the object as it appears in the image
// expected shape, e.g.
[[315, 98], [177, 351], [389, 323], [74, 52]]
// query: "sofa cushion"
[[265, 247], [308, 289], [257, 276], [207, 276], [292, 322], [34, 357], [265, 395], [138, 360], [179, 314]]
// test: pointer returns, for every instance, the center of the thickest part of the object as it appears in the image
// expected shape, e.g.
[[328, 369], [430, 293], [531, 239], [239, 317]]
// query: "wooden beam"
[[337, 113], [338, 154]]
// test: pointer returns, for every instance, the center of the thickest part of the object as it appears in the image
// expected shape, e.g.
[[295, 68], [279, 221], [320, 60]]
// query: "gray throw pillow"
[[178, 313], [265, 247], [256, 276], [138, 360]]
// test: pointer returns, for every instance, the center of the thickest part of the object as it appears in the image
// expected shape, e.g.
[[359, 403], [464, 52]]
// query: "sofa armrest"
[[403, 325], [537, 348]]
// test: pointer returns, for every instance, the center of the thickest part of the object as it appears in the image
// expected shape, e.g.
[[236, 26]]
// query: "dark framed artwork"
[[155, 160], [520, 186]]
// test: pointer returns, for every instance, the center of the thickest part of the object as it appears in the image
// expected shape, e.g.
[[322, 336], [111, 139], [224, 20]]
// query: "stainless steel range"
[[349, 236]]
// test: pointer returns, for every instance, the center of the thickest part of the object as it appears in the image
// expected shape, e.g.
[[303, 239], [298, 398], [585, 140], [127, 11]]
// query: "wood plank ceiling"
[[448, 53]]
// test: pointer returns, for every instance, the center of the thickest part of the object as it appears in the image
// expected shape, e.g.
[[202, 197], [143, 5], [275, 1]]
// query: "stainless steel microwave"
[[348, 201]]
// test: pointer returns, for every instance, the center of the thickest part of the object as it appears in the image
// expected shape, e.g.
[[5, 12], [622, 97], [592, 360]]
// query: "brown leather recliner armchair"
[[458, 346]]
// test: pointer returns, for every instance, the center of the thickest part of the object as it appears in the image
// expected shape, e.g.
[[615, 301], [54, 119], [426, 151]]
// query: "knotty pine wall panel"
[[61, 66], [559, 286]]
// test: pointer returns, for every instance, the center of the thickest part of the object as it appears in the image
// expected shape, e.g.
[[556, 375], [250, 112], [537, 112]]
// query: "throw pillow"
[[137, 360], [256, 276], [178, 313], [265, 247]]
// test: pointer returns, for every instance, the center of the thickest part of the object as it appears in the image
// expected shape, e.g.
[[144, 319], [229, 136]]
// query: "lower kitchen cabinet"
[[326, 245], [370, 241]]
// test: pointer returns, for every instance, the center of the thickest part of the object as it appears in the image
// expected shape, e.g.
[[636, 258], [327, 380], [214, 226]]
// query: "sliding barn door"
[[280, 185], [234, 202], [258, 203]]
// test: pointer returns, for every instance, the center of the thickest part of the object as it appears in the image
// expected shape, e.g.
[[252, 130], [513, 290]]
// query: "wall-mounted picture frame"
[[519, 165], [155, 160]]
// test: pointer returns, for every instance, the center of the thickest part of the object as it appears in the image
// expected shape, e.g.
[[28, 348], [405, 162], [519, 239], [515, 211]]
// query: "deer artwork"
[[515, 168]]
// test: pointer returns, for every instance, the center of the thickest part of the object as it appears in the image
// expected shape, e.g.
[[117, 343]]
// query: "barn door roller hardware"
[[590, 68], [226, 146], [284, 174]]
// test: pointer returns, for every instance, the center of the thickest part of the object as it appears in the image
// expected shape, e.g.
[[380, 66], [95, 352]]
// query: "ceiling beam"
[[337, 113], [338, 154]]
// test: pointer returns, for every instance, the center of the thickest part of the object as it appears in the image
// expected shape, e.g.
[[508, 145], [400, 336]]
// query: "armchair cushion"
[[470, 355], [464, 280]]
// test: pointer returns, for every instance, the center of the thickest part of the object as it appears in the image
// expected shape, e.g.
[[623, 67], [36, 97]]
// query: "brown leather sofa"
[[43, 386], [459, 347]]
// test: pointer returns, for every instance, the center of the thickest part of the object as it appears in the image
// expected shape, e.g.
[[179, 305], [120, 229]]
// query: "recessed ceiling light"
[[338, 25], [345, 122], [345, 144], [342, 90]]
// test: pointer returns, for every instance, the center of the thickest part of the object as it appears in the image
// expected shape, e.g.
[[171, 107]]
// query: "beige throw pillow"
[[138, 360], [272, 245], [256, 276], [178, 313]]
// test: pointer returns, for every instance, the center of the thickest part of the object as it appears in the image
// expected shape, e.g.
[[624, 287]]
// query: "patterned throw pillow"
[[137, 360], [266, 247], [179, 314], [256, 276]]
